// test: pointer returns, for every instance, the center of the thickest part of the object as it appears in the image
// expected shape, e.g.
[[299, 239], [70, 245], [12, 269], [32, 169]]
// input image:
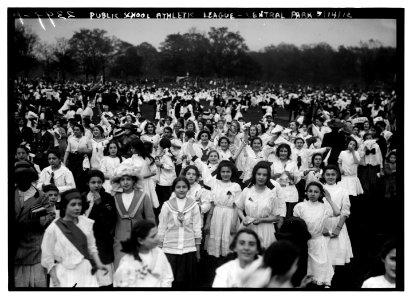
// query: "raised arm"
[[336, 210]]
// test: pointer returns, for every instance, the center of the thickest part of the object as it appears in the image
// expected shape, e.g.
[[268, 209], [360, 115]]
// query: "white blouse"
[[57, 249], [348, 164], [63, 178]]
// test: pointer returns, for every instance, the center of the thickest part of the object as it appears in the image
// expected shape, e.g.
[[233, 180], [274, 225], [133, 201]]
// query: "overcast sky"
[[257, 33]]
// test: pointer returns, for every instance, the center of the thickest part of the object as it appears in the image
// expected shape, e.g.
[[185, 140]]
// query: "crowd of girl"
[[132, 203]]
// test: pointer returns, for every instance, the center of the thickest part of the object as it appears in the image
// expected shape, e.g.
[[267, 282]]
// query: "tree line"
[[219, 53]]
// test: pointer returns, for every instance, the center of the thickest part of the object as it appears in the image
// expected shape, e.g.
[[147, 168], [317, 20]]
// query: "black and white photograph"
[[205, 148]]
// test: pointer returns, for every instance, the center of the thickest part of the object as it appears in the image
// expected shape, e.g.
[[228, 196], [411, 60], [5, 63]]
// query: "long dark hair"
[[314, 156], [148, 147], [261, 165], [106, 151], [285, 146], [231, 166], [280, 256], [140, 149], [140, 230]]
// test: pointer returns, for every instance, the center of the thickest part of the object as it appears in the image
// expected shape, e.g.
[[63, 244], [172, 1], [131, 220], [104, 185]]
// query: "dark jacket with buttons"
[[104, 215]]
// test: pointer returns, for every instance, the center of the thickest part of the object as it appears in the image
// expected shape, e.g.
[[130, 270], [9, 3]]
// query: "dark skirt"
[[184, 268], [368, 178], [75, 165], [290, 209], [390, 186]]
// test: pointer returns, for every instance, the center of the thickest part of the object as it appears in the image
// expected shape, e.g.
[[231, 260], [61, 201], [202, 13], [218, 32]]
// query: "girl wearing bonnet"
[[132, 204]]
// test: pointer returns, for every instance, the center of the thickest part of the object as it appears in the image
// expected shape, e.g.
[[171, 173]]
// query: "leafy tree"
[[23, 49], [173, 51], [92, 49], [127, 63], [44, 54], [226, 49], [150, 58], [64, 59]]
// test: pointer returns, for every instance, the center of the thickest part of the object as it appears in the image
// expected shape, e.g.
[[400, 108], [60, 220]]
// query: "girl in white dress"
[[139, 161], [339, 246], [205, 144], [69, 245], [151, 136], [222, 221], [109, 163], [348, 161], [260, 205], [282, 168], [252, 155], [98, 146], [315, 214], [144, 265]]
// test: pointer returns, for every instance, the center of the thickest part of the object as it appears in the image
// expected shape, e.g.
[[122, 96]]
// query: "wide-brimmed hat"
[[126, 168]]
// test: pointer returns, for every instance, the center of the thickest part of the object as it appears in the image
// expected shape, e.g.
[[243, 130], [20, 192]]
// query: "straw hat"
[[126, 168]]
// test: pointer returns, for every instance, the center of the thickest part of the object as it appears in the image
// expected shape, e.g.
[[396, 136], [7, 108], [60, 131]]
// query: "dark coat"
[[139, 209], [43, 143], [26, 135], [104, 215], [27, 230], [337, 141]]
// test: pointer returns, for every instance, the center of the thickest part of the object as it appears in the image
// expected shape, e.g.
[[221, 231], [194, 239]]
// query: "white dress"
[[154, 139], [260, 205], [339, 248], [97, 153], [315, 215], [153, 271], [349, 180], [224, 195], [108, 166], [289, 192], [71, 266]]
